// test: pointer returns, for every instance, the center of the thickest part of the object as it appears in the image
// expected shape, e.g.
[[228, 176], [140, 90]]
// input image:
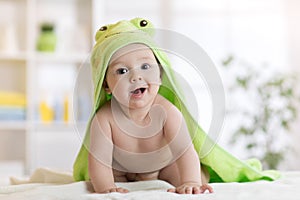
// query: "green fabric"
[[222, 166]]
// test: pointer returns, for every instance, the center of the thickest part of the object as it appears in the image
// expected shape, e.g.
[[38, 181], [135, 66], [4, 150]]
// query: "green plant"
[[266, 107]]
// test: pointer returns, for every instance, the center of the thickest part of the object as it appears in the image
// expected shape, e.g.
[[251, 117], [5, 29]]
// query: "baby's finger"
[[196, 190], [111, 190], [122, 190], [205, 187], [181, 190], [189, 190], [171, 190]]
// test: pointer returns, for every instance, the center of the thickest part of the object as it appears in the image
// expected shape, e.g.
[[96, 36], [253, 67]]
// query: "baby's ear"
[[161, 70], [106, 88]]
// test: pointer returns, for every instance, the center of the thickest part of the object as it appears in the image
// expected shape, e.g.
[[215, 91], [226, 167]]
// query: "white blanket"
[[47, 184]]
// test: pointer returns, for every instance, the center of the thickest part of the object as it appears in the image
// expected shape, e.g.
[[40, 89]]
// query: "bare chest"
[[138, 139]]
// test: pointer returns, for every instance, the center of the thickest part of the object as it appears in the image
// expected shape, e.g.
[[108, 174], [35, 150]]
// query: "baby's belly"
[[141, 162]]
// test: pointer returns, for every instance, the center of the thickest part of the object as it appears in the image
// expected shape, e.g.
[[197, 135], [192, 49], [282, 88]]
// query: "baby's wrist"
[[191, 183]]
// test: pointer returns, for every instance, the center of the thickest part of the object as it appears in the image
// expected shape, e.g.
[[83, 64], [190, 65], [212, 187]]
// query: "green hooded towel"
[[222, 166]]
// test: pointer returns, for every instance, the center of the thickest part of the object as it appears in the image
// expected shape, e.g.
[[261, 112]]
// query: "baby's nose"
[[135, 77]]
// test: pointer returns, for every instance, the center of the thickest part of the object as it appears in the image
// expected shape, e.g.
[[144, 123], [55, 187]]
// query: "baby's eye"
[[122, 71], [145, 66]]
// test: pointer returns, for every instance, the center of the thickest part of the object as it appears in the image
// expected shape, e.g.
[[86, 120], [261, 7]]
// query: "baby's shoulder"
[[104, 111], [160, 100]]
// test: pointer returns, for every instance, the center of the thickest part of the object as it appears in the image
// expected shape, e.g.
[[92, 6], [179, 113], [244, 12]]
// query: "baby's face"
[[133, 76]]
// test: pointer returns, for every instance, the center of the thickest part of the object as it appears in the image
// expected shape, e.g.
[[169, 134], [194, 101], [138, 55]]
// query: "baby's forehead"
[[135, 49]]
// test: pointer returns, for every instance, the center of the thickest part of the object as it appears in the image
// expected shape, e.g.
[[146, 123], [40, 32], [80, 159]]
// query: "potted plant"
[[266, 105]]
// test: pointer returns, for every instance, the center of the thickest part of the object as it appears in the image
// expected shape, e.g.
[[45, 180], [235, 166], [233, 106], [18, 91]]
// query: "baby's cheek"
[[152, 76], [121, 91], [120, 84], [153, 89]]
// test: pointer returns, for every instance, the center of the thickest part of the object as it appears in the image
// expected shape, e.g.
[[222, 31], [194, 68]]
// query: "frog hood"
[[110, 38]]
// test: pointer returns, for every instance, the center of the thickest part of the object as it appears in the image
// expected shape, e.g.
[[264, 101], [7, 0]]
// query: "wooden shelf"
[[53, 57], [54, 126], [18, 56], [13, 125]]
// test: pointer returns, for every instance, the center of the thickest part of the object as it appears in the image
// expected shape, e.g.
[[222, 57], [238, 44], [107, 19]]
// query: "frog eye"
[[143, 23], [103, 28]]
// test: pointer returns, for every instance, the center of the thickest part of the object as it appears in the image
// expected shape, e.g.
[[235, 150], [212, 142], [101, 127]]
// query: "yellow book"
[[12, 99]]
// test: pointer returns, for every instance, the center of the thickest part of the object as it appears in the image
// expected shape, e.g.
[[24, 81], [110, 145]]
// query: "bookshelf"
[[32, 140]]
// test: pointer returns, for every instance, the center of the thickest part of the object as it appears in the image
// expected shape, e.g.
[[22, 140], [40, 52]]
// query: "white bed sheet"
[[285, 188]]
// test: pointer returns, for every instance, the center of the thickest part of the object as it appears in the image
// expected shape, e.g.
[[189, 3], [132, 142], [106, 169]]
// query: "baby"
[[139, 135], [136, 132]]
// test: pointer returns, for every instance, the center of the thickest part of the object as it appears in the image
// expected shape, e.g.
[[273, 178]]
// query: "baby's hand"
[[119, 189], [191, 188]]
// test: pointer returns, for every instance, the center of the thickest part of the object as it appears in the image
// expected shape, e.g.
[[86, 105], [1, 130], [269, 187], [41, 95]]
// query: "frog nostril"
[[143, 23]]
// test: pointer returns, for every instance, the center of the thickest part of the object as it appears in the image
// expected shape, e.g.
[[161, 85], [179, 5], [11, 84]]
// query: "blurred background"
[[253, 43]]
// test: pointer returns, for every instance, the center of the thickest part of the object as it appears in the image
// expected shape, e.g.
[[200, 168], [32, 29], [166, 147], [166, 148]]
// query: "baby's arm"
[[190, 174], [100, 156], [177, 134]]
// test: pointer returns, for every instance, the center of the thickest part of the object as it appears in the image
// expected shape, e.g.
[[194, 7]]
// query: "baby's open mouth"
[[138, 91]]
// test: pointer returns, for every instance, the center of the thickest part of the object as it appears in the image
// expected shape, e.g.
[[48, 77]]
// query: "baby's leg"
[[119, 176], [171, 175], [147, 176], [204, 175]]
